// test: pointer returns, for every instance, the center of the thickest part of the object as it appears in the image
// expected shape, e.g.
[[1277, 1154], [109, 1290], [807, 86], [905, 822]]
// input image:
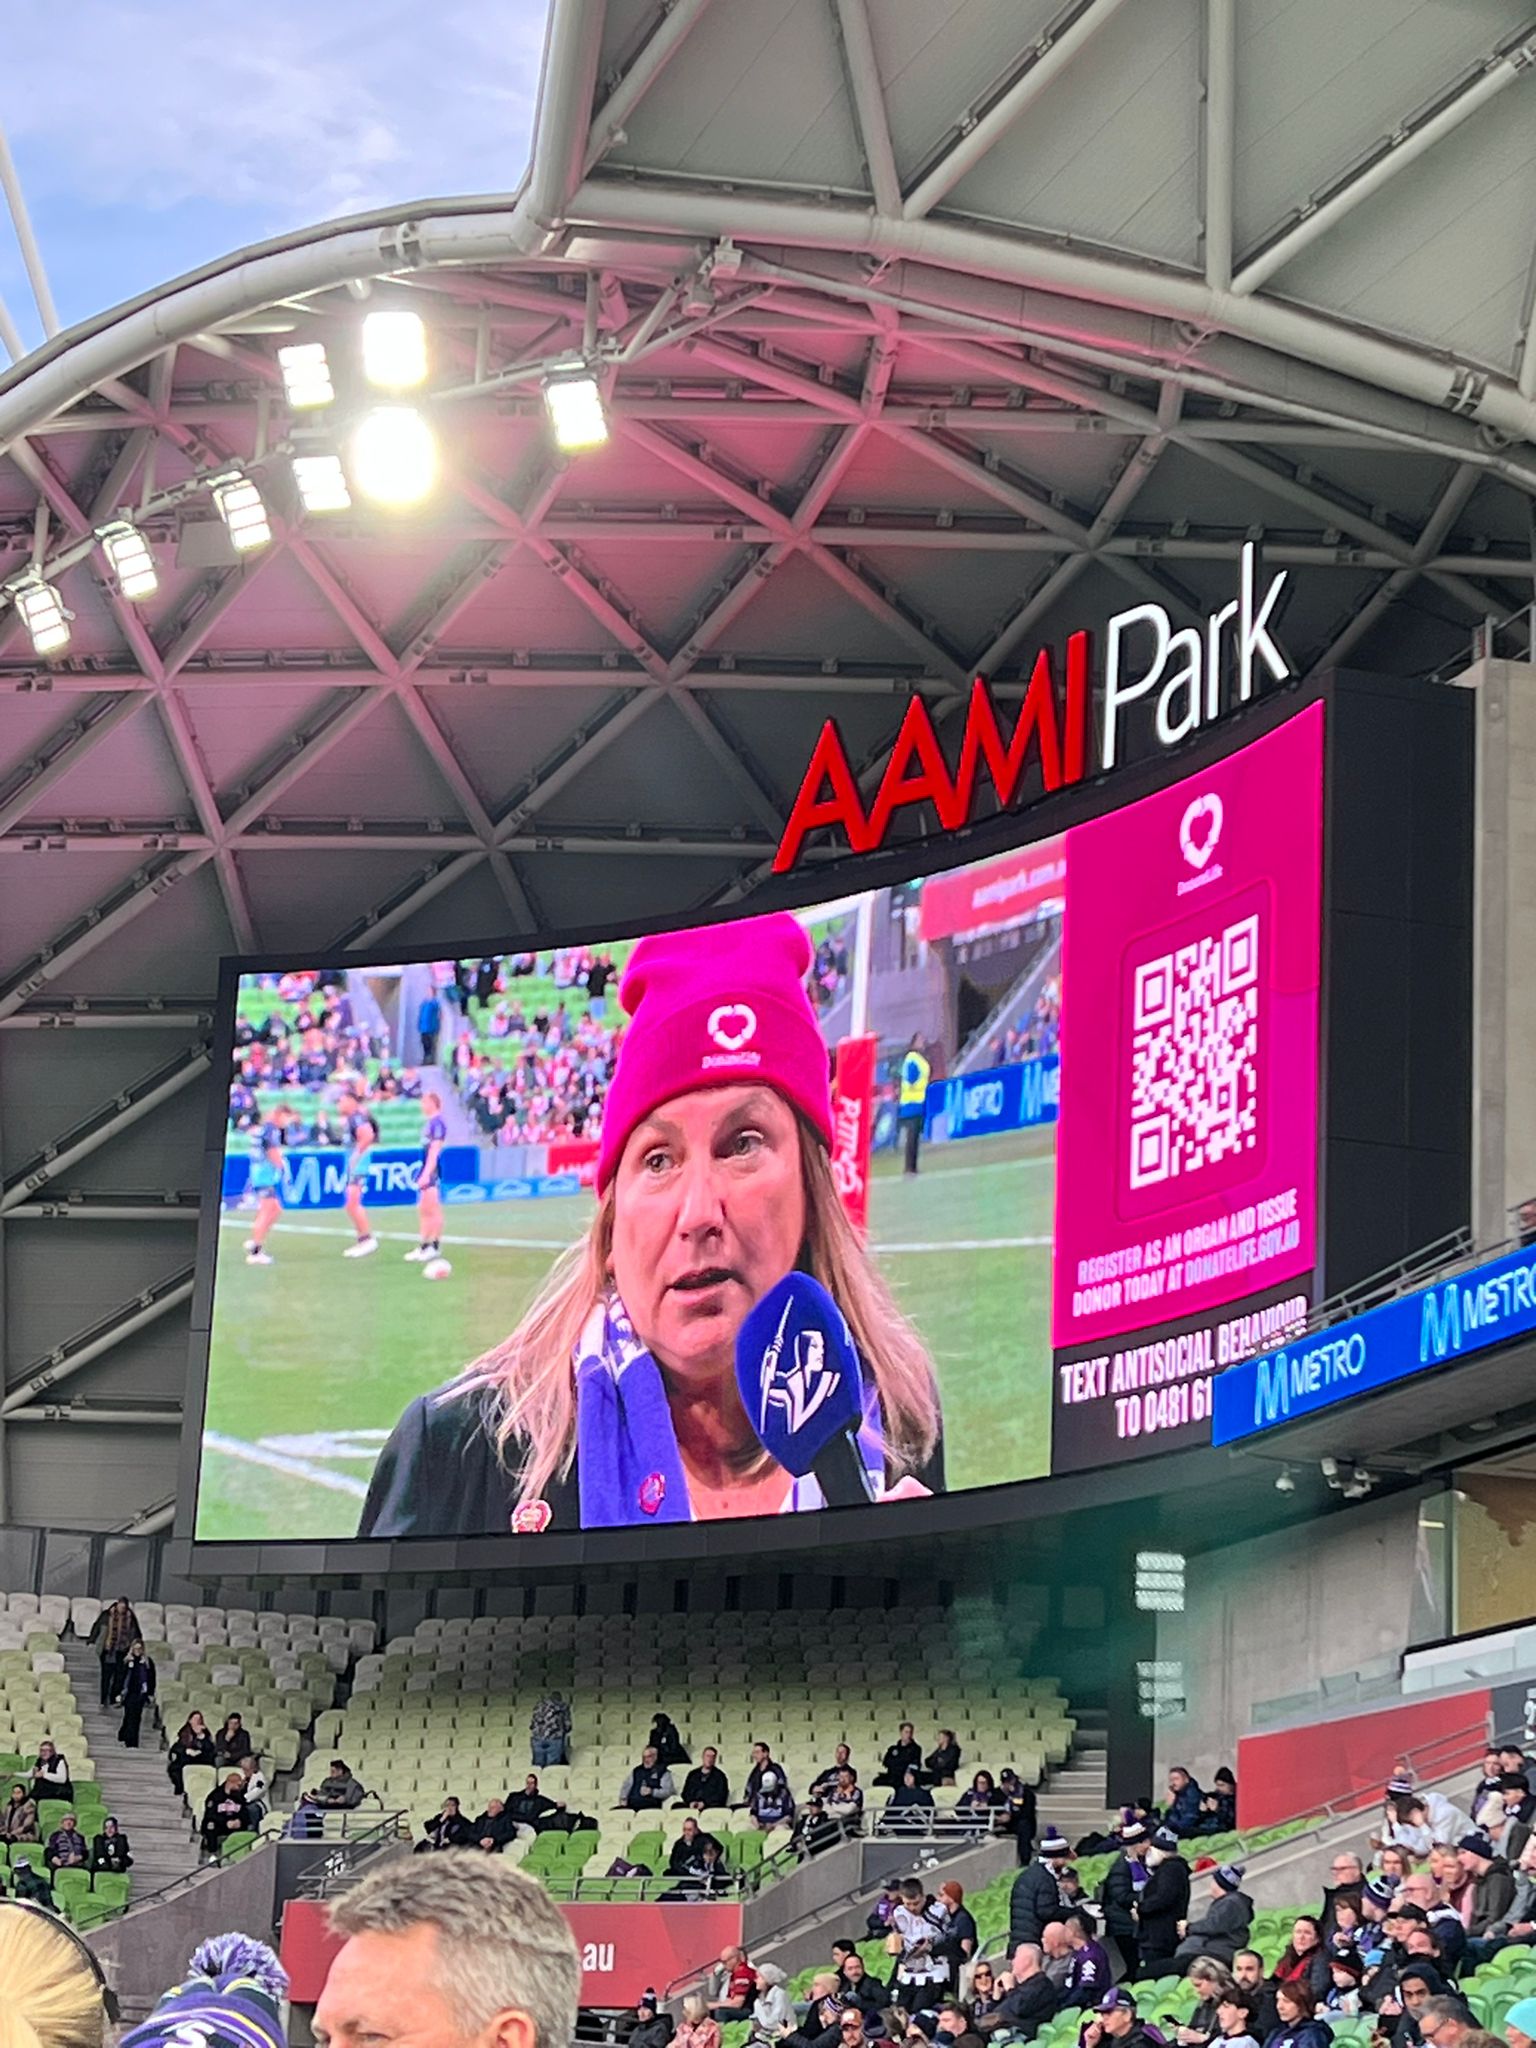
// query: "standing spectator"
[[1029, 2002], [912, 1101], [110, 1850], [903, 1755], [50, 1775], [734, 1985], [920, 1969], [697, 2029], [549, 1730], [1123, 1883], [193, 1745], [1224, 1928], [1184, 1795], [116, 1629], [1297, 2028], [1090, 1976], [1493, 1884], [1164, 1902], [958, 1937], [18, 1817], [225, 1813], [705, 1784], [429, 1022], [448, 1828], [67, 1847], [1020, 1814], [1036, 1895], [648, 1785], [231, 1744], [942, 1763], [137, 1688], [666, 1740]]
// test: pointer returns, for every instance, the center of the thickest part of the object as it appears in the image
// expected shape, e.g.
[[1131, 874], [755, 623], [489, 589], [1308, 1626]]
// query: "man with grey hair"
[[1445, 2022], [453, 1951], [1031, 2002]]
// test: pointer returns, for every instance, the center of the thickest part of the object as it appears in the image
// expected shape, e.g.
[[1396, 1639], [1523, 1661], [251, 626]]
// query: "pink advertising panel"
[[1187, 1147]]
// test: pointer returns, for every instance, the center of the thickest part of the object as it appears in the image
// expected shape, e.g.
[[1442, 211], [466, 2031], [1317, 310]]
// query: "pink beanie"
[[715, 1008]]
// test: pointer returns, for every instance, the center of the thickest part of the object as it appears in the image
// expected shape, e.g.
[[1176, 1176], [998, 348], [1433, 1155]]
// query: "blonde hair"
[[694, 2009], [528, 1379], [50, 1997]]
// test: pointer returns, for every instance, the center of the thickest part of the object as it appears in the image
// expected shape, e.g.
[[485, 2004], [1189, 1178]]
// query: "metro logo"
[[1181, 672]]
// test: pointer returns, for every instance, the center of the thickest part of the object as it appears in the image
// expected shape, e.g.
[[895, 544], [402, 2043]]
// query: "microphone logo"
[[797, 1393]]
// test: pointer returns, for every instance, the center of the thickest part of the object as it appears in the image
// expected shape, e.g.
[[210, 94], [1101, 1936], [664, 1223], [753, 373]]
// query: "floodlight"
[[243, 513], [394, 350], [575, 405], [306, 375], [129, 559], [42, 613], [393, 457], [321, 483]]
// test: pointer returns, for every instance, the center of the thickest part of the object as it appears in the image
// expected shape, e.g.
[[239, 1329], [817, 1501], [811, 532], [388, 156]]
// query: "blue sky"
[[153, 135]]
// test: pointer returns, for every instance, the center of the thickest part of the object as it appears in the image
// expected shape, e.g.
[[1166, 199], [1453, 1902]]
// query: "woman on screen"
[[615, 1400]]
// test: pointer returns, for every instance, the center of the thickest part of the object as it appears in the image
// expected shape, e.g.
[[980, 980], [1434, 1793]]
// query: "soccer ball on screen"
[[436, 1269]]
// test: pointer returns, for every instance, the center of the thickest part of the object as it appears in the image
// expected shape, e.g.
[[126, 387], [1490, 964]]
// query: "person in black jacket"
[[495, 1827], [1036, 1896], [1020, 1813], [705, 1784], [225, 1813], [653, 2028], [903, 1755], [1033, 2000], [448, 1829], [688, 1848], [193, 1745], [1115, 2021], [1163, 1904], [942, 1762], [231, 1744], [1297, 2028], [531, 1808], [1117, 1895], [137, 1686], [666, 1739], [110, 1850]]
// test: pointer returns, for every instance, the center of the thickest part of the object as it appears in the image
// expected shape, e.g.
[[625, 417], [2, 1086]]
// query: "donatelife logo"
[[732, 1026], [1197, 672], [1200, 828]]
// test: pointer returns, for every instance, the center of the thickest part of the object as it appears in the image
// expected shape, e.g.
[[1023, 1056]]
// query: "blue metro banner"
[[1453, 1319]]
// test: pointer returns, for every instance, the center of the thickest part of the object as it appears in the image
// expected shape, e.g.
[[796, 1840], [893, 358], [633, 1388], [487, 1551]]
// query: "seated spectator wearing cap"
[[1304, 1959], [1520, 2024], [851, 2028], [1090, 1975], [448, 1828], [1223, 1929], [1029, 2001], [1297, 2026], [1218, 1806], [31, 1884], [1164, 1902], [1235, 2023], [67, 1848], [653, 2027], [1036, 1897], [772, 1805], [648, 1786], [942, 1763], [1493, 1883], [1182, 1814], [1346, 1881], [1122, 1885], [1115, 2019], [643, 1317], [909, 1808], [705, 1785], [903, 1755], [1342, 1996]]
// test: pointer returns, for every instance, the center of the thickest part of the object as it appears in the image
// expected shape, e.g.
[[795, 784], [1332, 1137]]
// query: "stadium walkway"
[[133, 1782]]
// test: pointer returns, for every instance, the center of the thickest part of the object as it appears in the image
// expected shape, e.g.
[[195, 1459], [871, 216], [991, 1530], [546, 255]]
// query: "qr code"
[[1194, 1055]]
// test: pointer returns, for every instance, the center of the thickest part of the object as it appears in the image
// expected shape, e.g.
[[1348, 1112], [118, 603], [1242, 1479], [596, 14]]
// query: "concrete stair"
[[1075, 1796], [133, 1782]]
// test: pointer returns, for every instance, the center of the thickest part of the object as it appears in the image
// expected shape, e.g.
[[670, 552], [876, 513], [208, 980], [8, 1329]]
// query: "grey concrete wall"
[[1279, 1613], [146, 1951], [1504, 953]]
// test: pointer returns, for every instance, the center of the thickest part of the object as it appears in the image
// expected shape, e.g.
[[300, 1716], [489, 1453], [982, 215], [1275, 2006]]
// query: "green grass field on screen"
[[314, 1357]]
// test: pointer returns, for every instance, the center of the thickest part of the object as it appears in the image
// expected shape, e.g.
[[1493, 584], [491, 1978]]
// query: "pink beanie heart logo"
[[1200, 828], [732, 1026]]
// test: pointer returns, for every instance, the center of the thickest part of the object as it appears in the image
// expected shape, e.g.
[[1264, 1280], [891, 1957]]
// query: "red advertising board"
[[853, 1116], [1346, 1763], [624, 1949], [574, 1155], [994, 893]]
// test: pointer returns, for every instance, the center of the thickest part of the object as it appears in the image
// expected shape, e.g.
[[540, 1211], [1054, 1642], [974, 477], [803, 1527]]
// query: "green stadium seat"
[[112, 1887]]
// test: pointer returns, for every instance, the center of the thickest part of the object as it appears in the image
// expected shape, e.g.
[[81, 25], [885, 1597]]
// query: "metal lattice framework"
[[929, 333]]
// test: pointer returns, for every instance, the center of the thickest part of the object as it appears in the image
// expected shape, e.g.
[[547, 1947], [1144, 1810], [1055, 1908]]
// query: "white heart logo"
[[732, 1026], [1200, 828]]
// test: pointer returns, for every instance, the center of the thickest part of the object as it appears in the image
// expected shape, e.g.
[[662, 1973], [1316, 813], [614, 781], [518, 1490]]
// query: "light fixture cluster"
[[387, 454]]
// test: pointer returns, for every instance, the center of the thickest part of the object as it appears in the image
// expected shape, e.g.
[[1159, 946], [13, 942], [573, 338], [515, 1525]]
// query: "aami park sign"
[[1191, 675]]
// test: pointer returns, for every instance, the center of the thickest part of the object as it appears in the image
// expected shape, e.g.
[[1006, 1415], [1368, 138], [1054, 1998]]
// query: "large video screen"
[[946, 1185]]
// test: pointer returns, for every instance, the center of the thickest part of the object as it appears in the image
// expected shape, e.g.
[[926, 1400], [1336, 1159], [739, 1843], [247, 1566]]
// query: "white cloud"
[[301, 109]]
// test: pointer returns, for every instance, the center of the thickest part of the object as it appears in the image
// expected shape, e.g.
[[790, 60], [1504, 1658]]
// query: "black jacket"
[[1164, 1903], [499, 1828], [944, 1761], [900, 1757], [530, 1809], [704, 1787], [111, 1852], [1027, 2007], [684, 1854], [1117, 1895], [1033, 1904], [456, 1832]]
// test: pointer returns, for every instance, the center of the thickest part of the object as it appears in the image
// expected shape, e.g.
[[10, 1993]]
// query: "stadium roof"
[[931, 329]]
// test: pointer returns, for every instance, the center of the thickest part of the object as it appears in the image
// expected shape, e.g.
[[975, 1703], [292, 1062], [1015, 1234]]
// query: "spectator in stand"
[[1182, 1816], [942, 1763], [914, 1941], [697, 2029], [1343, 1993], [773, 2015], [687, 1849], [824, 2009], [844, 1801], [1493, 1883], [225, 1813], [50, 1775], [549, 1729], [705, 1784], [30, 1884], [1404, 1823], [1210, 1981], [115, 1629], [1394, 1864], [1297, 2026], [1115, 2020], [648, 1786], [110, 1850], [984, 1997], [903, 1755], [1513, 1762], [653, 2027], [337, 1791], [1235, 2023], [1520, 2024], [1164, 1903], [67, 1847], [1218, 1806], [981, 1801], [762, 1760], [666, 1740], [1348, 1875], [910, 1807], [824, 1781], [878, 1924], [448, 1828], [1035, 1899], [1223, 1929], [958, 1938], [1418, 1984], [1123, 1883], [429, 1022], [136, 1687], [231, 1744], [1057, 1952], [860, 1986], [1446, 2023], [193, 1745], [1304, 1959], [849, 2030], [954, 2028], [1020, 1814], [1420, 1889], [733, 1983], [1248, 1969], [255, 1789], [18, 1817], [772, 1805], [533, 1810], [1519, 1804], [1029, 2001], [495, 1828], [1090, 1975], [1516, 1926]]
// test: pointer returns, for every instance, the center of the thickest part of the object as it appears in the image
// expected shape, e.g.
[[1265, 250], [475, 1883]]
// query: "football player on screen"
[[266, 1182], [362, 1136], [428, 1253]]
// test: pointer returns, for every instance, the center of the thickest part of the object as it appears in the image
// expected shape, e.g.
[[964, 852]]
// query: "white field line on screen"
[[279, 1461], [559, 1244]]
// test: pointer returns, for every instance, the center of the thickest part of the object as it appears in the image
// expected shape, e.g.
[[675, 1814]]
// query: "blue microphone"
[[798, 1371]]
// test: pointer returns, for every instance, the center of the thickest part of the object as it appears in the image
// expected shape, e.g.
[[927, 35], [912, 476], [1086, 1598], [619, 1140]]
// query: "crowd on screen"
[[310, 1045], [1037, 1032]]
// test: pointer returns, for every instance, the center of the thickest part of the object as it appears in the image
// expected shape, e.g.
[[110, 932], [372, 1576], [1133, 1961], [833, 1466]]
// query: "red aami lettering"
[[829, 765]]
